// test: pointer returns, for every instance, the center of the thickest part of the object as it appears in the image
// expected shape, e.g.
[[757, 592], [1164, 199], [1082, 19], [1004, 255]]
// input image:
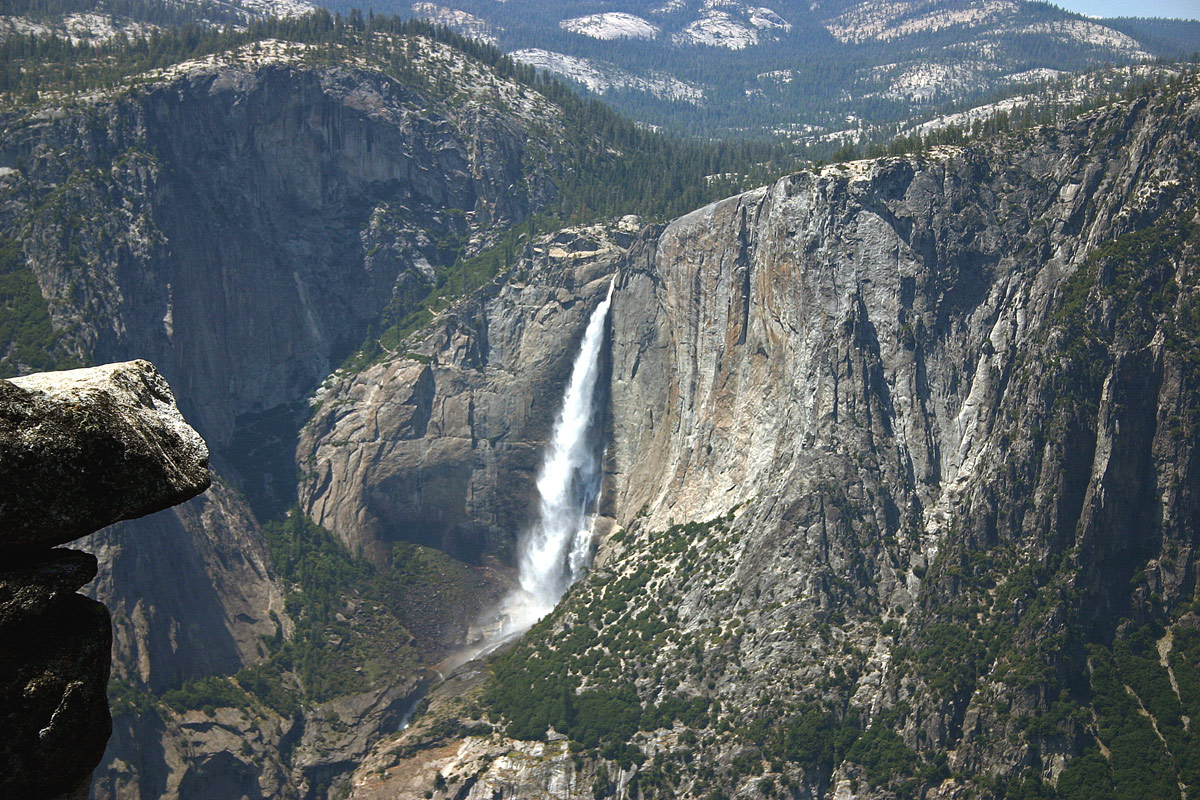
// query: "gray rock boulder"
[[78, 451], [54, 659], [82, 449], [28, 586]]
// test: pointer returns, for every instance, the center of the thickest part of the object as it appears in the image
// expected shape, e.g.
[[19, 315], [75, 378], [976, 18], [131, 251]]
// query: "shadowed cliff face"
[[244, 225], [944, 407], [242, 221], [192, 590]]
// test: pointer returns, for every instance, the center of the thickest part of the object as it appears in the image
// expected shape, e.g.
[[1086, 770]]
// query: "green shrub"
[[884, 756], [207, 693], [1140, 766], [1088, 777], [28, 342]]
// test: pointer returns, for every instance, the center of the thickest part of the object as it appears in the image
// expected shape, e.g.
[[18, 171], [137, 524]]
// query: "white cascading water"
[[556, 551]]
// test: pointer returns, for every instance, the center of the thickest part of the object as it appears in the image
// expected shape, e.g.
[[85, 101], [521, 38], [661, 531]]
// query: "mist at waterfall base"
[[557, 549]]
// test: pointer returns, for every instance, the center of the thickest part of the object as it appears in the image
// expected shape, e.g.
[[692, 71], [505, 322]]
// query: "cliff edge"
[[79, 450]]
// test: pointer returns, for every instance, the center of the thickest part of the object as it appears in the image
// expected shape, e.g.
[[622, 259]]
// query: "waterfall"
[[555, 552], [557, 548]]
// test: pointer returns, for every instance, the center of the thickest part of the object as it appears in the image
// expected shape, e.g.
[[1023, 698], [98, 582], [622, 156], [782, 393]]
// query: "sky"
[[1186, 9]]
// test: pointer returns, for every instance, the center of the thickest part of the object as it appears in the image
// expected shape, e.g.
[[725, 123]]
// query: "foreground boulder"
[[78, 451], [83, 449]]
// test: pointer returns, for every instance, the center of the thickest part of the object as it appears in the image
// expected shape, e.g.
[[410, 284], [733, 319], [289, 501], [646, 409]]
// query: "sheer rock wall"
[[886, 394]]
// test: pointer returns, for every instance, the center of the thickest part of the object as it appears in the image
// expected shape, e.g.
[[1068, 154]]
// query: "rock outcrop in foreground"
[[78, 451], [89, 447]]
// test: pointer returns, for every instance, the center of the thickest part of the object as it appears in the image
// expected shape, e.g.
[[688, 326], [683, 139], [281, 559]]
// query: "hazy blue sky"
[[1187, 9]]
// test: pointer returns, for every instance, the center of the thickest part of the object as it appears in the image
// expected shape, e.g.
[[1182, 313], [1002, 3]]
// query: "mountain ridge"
[[838, 66]]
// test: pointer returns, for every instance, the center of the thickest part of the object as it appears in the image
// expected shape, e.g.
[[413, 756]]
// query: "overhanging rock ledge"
[[79, 450]]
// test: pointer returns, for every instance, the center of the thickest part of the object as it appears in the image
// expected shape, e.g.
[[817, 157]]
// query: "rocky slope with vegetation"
[[902, 470]]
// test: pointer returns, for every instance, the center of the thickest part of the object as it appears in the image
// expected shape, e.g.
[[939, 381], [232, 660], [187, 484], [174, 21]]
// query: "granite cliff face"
[[251, 204], [901, 456], [442, 447]]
